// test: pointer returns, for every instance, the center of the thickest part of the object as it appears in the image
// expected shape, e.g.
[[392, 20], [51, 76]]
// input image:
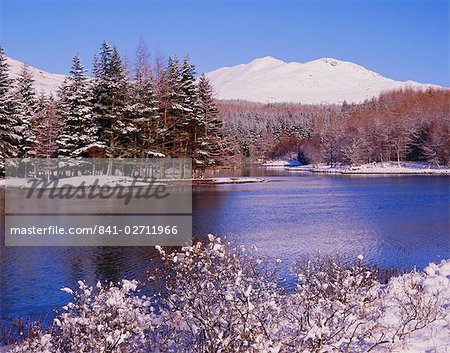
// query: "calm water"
[[392, 221]]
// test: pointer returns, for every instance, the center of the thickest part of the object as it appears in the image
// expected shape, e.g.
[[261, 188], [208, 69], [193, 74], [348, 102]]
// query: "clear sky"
[[398, 39]]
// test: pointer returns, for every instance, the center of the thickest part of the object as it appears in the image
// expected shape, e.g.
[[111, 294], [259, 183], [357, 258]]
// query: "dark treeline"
[[151, 109], [402, 125]]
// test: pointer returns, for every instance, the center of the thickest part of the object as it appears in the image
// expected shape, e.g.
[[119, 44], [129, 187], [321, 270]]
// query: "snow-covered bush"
[[334, 307], [415, 300], [220, 300], [39, 344], [101, 319]]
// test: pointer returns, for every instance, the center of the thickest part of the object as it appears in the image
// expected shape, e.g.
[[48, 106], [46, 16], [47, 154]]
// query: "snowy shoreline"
[[389, 168], [224, 180], [89, 181], [281, 163]]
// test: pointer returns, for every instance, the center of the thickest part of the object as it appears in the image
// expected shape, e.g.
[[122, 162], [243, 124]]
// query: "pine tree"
[[142, 108], [181, 122], [171, 106], [109, 100], [42, 101], [75, 109], [27, 109], [189, 120], [9, 137], [188, 89], [47, 130], [208, 136]]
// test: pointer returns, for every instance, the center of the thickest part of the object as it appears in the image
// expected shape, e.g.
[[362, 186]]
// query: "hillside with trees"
[[151, 109], [402, 125], [161, 108]]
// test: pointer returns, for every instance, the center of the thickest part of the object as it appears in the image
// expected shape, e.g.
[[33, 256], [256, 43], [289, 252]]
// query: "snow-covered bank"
[[89, 181], [281, 163], [430, 290], [230, 180], [419, 168], [86, 181]]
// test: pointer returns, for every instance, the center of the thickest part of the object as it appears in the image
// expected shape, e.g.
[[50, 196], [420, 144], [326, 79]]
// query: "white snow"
[[85, 181], [155, 154], [281, 163], [435, 337], [320, 81], [44, 81], [229, 180], [376, 168], [102, 180]]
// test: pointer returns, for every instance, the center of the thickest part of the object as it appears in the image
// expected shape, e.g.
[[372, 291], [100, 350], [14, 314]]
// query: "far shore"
[[23, 183], [387, 168], [230, 180]]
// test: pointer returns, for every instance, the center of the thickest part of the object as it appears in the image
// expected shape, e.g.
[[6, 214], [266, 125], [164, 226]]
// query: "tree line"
[[151, 109], [399, 125]]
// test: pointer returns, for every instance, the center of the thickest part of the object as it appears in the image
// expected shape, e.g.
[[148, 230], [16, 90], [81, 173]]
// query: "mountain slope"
[[44, 81], [320, 81], [271, 80]]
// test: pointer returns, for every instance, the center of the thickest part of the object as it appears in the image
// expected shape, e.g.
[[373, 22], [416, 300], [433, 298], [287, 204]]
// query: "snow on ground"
[[281, 163], [432, 339], [88, 180], [376, 168], [435, 337], [322, 81], [124, 181], [216, 181]]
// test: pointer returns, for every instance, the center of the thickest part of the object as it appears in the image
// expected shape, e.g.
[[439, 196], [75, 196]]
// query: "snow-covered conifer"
[[75, 109], [208, 138], [110, 92], [27, 109], [142, 107], [9, 137]]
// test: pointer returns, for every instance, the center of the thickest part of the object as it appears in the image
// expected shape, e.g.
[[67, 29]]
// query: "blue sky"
[[399, 39]]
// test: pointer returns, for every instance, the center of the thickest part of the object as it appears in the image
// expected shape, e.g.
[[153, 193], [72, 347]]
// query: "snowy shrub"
[[34, 339], [333, 307], [101, 319], [415, 300], [38, 344], [220, 301]]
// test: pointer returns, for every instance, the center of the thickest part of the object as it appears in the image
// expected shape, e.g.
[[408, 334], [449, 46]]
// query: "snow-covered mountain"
[[44, 81], [272, 80], [320, 81]]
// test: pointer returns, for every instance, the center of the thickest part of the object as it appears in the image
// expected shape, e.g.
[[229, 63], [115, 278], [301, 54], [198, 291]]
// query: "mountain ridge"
[[271, 80], [320, 81]]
